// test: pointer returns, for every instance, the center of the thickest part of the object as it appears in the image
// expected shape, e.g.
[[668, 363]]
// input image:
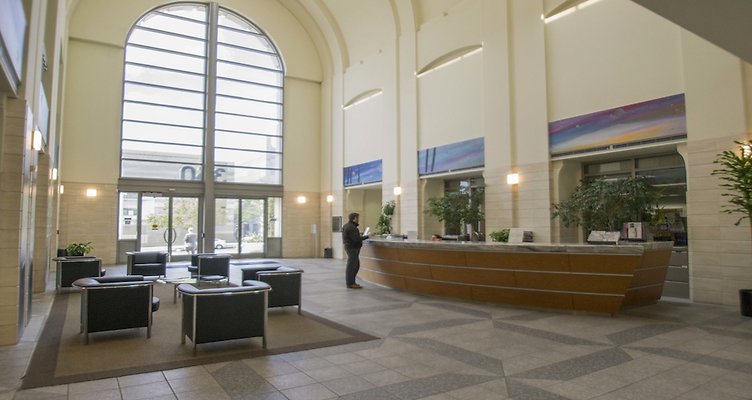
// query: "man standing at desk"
[[353, 241]]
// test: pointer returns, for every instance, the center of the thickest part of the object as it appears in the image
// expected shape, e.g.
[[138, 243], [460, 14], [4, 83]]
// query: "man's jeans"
[[353, 265]]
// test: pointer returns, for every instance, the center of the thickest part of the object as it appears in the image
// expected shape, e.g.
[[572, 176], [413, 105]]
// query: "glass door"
[[239, 227], [169, 224]]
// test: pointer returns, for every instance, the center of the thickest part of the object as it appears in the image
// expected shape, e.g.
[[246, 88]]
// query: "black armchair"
[[69, 269], [286, 284], [118, 302], [227, 313], [148, 263], [193, 268], [213, 268]]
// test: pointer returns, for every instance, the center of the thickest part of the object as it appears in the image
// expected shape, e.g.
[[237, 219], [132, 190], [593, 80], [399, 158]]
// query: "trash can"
[[745, 302], [328, 252]]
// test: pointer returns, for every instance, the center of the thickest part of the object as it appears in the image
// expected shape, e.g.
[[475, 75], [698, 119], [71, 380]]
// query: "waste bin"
[[328, 252], [745, 302]]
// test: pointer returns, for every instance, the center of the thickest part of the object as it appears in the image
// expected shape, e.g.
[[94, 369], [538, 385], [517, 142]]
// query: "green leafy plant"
[[500, 236], [384, 224], [458, 208], [605, 204], [78, 249], [736, 173]]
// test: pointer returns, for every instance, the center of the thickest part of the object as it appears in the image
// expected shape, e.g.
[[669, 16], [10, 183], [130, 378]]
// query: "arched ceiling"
[[367, 26]]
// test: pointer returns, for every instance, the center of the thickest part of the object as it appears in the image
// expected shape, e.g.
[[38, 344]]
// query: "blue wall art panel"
[[650, 121], [361, 174], [452, 157]]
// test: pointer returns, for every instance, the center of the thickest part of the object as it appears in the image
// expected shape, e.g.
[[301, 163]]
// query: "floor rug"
[[61, 356]]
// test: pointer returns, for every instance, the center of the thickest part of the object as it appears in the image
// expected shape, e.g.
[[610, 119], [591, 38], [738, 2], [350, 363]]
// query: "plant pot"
[[745, 302]]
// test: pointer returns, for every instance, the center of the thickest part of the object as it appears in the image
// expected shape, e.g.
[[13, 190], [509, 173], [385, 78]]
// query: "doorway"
[[240, 228], [153, 222]]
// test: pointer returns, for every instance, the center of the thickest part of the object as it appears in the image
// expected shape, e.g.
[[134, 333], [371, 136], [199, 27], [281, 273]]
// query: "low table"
[[175, 282]]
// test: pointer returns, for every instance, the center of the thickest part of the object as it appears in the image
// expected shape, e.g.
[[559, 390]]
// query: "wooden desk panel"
[[531, 261], [555, 277]]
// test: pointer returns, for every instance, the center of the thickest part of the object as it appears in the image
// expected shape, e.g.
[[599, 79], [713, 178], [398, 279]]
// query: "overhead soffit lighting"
[[565, 8], [449, 58], [361, 98]]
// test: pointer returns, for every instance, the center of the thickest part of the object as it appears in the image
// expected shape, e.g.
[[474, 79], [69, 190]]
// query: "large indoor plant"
[[605, 204], [458, 208], [384, 224], [735, 170]]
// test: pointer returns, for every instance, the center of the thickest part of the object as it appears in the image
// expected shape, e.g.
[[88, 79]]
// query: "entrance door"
[[169, 224], [240, 227]]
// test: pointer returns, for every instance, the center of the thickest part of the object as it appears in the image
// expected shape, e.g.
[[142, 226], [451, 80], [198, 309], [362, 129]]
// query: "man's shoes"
[[354, 286]]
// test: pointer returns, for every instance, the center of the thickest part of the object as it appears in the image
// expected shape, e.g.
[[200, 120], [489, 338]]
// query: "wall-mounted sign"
[[452, 157], [361, 174], [651, 121]]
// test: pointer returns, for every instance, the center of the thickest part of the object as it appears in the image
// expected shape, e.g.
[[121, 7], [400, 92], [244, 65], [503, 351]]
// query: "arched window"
[[203, 88]]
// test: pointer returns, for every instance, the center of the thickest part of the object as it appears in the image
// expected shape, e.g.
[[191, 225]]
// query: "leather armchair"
[[193, 268], [69, 269], [213, 268], [118, 302], [148, 263], [286, 284], [226, 313]]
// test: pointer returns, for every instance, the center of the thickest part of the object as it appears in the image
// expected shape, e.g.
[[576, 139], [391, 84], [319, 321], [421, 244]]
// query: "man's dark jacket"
[[351, 237]]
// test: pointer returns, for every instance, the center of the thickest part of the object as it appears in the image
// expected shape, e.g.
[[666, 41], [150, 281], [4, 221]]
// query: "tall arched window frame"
[[203, 91]]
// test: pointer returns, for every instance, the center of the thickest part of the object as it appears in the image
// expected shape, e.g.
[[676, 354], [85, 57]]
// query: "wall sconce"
[[329, 198], [36, 141], [62, 189], [301, 199], [397, 190], [513, 179], [54, 174], [747, 149], [91, 192]]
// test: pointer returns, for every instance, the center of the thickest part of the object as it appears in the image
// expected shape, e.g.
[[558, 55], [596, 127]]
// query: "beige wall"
[[596, 60], [91, 147]]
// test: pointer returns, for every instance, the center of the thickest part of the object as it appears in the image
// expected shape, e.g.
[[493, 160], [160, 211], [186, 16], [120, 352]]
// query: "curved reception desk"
[[599, 278]]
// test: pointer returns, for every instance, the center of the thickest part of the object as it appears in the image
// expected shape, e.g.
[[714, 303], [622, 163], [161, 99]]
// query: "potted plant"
[[384, 224], [736, 173], [500, 236], [606, 204], [78, 249], [458, 208]]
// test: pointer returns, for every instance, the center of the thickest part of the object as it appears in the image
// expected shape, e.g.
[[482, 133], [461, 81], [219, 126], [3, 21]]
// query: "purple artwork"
[[650, 121]]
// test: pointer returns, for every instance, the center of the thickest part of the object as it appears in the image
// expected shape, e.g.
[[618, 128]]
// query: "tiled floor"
[[442, 350]]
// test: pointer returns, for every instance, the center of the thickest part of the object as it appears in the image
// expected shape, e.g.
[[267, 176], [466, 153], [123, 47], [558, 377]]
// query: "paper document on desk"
[[367, 231]]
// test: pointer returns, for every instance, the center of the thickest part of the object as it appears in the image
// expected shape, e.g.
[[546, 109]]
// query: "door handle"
[[164, 235]]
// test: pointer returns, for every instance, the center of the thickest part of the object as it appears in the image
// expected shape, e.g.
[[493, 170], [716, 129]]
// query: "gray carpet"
[[62, 357]]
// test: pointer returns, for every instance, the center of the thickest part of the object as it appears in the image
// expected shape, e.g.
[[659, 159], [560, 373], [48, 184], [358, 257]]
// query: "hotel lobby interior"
[[242, 133]]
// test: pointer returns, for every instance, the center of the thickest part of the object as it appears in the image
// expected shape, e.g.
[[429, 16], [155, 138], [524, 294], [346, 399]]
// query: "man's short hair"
[[352, 216]]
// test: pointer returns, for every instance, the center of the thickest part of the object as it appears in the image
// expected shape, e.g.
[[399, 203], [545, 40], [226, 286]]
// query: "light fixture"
[[397, 190], [91, 192], [54, 174], [62, 189], [513, 178], [329, 198], [363, 97], [301, 199], [36, 142], [747, 149], [449, 59]]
